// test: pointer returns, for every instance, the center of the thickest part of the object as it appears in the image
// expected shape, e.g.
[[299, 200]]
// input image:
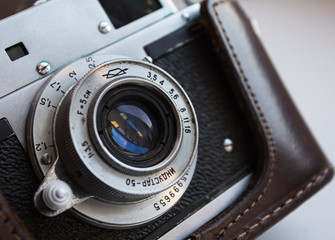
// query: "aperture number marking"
[[173, 94], [187, 127], [154, 77]]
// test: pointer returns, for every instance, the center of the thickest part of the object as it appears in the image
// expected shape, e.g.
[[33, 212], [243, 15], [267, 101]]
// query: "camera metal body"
[[78, 55]]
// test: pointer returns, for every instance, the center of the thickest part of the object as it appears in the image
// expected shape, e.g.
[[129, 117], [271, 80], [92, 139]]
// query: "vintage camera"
[[126, 119]]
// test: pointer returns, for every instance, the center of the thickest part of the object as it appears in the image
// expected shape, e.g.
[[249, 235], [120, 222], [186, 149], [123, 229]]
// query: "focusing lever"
[[57, 193]]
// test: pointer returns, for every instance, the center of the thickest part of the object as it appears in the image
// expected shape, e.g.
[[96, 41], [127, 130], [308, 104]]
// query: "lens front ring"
[[134, 90]]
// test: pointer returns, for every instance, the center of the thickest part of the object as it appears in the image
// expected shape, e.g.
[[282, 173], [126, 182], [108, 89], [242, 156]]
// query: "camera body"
[[52, 62]]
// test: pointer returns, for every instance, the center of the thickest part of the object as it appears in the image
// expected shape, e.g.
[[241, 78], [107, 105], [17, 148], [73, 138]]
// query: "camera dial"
[[121, 133]]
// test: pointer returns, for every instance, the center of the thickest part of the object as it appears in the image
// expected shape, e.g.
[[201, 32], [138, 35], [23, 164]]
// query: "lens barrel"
[[122, 138]]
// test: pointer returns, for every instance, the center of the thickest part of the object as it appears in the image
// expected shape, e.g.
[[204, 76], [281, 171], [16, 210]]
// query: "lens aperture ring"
[[133, 95]]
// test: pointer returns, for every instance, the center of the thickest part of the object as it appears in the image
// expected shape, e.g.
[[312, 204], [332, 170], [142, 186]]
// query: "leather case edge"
[[291, 166], [11, 226]]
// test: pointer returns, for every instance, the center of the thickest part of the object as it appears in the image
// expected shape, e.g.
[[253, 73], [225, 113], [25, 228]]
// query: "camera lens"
[[135, 124], [125, 137]]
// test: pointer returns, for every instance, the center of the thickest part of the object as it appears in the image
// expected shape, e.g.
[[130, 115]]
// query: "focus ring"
[[74, 165]]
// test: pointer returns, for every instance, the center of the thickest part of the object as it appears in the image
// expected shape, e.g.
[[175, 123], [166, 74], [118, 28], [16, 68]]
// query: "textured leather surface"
[[292, 167], [197, 68], [11, 227]]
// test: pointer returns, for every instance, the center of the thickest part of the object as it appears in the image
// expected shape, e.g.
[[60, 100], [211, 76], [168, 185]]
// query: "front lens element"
[[137, 125], [133, 128]]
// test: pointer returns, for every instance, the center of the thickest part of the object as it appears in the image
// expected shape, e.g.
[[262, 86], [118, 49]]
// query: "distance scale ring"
[[40, 123]]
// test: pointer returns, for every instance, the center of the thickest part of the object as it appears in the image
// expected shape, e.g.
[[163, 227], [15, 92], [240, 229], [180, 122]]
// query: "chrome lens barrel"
[[127, 135]]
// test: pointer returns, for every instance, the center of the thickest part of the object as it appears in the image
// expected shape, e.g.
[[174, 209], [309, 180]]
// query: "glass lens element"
[[132, 128]]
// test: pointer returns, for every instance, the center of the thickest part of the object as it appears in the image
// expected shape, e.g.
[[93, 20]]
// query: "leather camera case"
[[291, 167], [234, 89]]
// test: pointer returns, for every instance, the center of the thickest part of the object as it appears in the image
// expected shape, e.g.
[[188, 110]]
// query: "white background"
[[299, 36]]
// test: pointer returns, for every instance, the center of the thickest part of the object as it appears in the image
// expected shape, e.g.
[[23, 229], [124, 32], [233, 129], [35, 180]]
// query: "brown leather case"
[[11, 227], [292, 166]]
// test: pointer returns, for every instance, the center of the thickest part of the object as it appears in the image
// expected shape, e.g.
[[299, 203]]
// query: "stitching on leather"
[[5, 219], [179, 45], [266, 128], [298, 194]]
